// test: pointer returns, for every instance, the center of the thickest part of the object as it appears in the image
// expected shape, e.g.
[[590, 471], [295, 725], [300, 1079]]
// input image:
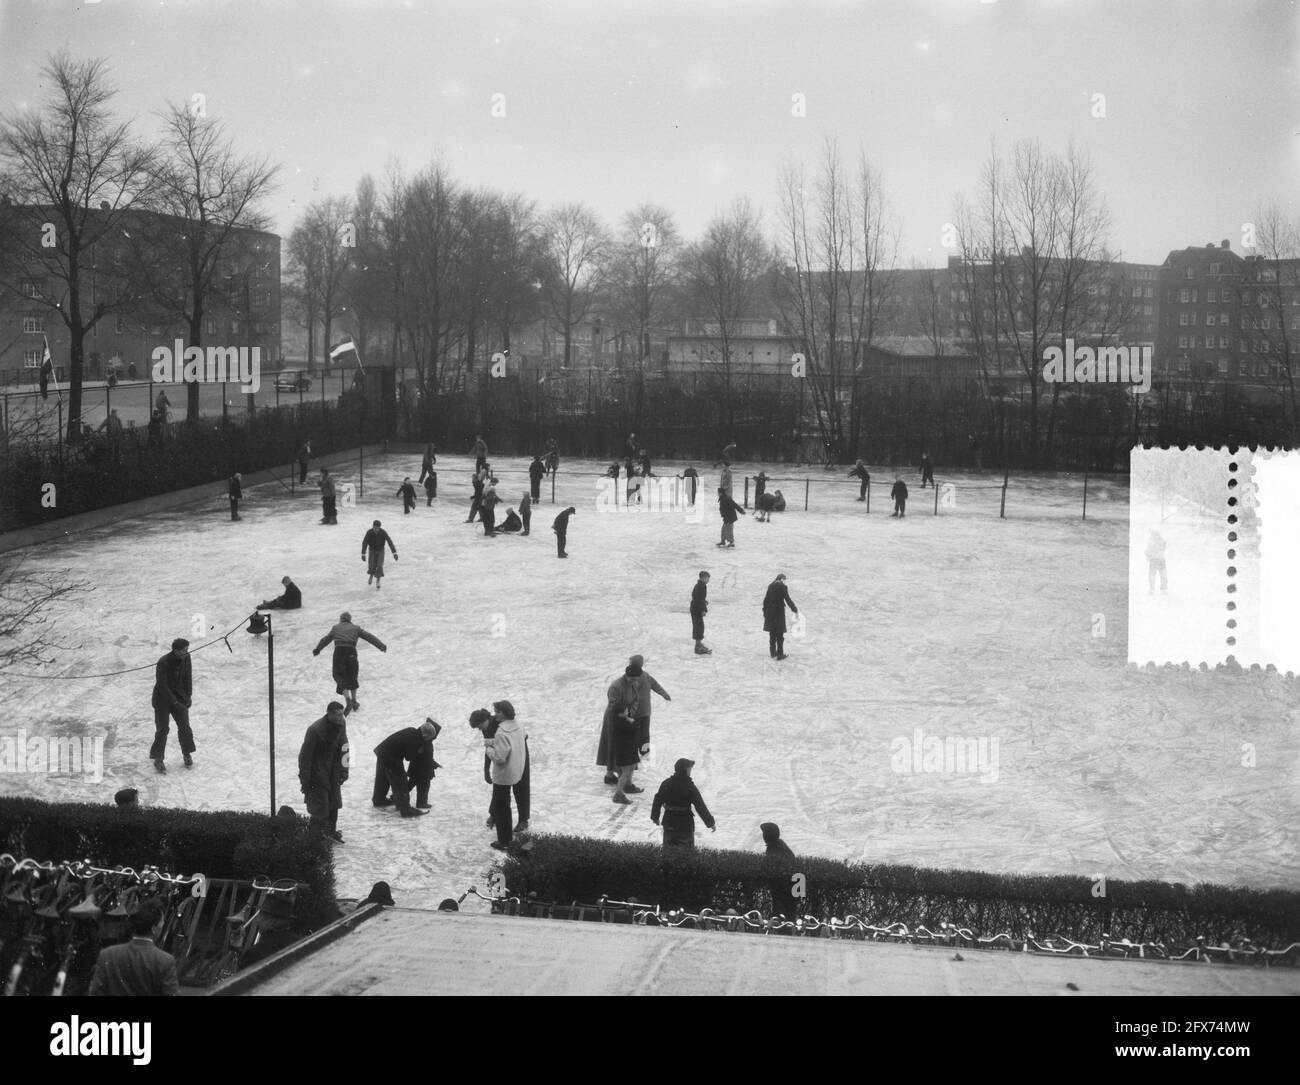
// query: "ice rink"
[[929, 629]]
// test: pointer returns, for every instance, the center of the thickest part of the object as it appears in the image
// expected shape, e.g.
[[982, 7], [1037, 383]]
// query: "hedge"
[[566, 869], [219, 844]]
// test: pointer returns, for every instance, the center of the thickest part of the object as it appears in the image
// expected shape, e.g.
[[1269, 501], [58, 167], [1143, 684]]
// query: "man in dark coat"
[[374, 541], [699, 608], [561, 529], [406, 492], [899, 494], [173, 691], [729, 510], [927, 471], [304, 457], [476, 503], [290, 600], [774, 604], [430, 488], [347, 670], [860, 471], [535, 471], [137, 967], [551, 461], [236, 488], [780, 861], [617, 749], [426, 464], [526, 513], [391, 758], [329, 510], [675, 799], [323, 766], [488, 512], [691, 478]]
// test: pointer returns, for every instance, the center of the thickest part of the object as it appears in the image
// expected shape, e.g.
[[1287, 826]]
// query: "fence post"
[[807, 483], [936, 498], [746, 491], [552, 486], [868, 495], [1002, 512], [1085, 495]]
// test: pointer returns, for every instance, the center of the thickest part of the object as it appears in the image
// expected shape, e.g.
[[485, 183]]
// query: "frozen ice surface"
[[960, 627]]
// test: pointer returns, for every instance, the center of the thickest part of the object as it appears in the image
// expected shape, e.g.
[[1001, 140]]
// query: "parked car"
[[292, 380]]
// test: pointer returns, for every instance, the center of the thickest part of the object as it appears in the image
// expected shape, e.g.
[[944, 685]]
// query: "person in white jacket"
[[507, 754]]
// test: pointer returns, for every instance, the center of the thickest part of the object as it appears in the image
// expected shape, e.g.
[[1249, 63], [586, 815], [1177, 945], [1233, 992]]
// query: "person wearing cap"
[[346, 667], [780, 861], [676, 800], [536, 470], [699, 608], [523, 790], [561, 529], [137, 967], [173, 692], [774, 604], [410, 744], [617, 749], [323, 768], [127, 799], [290, 600], [645, 685], [374, 541], [506, 752]]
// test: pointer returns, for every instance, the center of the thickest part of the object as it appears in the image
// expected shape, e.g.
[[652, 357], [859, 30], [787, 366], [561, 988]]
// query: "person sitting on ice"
[[764, 506], [511, 522], [290, 600], [779, 505]]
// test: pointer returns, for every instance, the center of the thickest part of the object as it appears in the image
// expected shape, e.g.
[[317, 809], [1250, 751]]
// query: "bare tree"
[[72, 174], [25, 600], [321, 250], [723, 270], [644, 266], [1269, 305], [577, 247]]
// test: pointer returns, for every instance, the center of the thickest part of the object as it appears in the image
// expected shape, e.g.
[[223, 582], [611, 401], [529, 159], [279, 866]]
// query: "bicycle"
[[243, 926]]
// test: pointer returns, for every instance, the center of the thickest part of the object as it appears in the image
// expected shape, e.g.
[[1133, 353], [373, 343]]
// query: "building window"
[[1189, 273], [1211, 296], [259, 328], [1223, 319], [1182, 320], [32, 358], [210, 326], [1223, 367], [1146, 291], [234, 325], [1182, 342], [119, 325], [1210, 319], [33, 325], [1184, 295], [1266, 324], [1183, 365], [30, 288], [1214, 271]]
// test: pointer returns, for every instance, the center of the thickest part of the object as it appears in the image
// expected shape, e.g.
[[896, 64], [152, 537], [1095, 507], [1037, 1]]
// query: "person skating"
[[780, 863], [860, 472], [645, 685], [409, 744], [778, 505], [426, 464], [346, 667], [323, 768], [304, 458], [699, 608], [476, 504], [163, 405], [551, 460], [488, 722], [373, 541], [328, 508], [728, 510], [407, 493], [173, 693], [899, 494], [724, 480], [760, 485], [1155, 555], [677, 800], [691, 478], [291, 599], [526, 513], [430, 488], [235, 488], [522, 790], [536, 470], [774, 604], [561, 529], [488, 512], [618, 750], [927, 471], [480, 451], [508, 754]]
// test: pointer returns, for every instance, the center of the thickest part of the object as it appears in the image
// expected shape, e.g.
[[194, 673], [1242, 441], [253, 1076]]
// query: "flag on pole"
[[47, 371], [347, 347]]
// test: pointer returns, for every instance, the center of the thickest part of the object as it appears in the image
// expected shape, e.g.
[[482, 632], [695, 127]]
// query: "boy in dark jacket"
[[430, 488], [899, 494], [729, 510], [927, 470], [700, 607], [407, 493], [290, 600], [561, 529], [173, 692], [535, 471], [860, 471], [676, 797], [236, 492]]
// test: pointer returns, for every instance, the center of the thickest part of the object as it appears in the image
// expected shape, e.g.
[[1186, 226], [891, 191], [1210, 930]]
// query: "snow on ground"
[[958, 627]]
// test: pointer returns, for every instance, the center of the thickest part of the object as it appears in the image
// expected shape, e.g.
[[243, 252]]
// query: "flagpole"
[[361, 444]]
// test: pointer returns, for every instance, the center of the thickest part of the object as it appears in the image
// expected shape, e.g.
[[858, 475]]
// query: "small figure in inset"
[[729, 510], [407, 493], [899, 494], [236, 490], [526, 513], [927, 471], [860, 471], [536, 470], [676, 798], [699, 608], [1155, 554]]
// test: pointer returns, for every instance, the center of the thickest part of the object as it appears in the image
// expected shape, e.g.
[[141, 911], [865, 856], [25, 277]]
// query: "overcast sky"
[[616, 102]]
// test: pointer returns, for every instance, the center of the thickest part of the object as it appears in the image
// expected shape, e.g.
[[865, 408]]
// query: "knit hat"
[[683, 764], [637, 660], [771, 831]]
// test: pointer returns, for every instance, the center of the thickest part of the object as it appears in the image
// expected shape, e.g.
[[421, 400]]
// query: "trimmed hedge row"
[[570, 868], [220, 844]]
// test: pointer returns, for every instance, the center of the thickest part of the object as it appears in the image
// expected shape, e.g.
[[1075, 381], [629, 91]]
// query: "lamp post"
[[257, 625]]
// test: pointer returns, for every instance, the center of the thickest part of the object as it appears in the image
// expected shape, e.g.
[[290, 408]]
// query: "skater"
[[899, 494], [724, 482], [1155, 554], [760, 486], [691, 478], [561, 529], [927, 471], [430, 488], [323, 770], [407, 493], [779, 860], [480, 453], [526, 512], [764, 506], [551, 459], [508, 754], [374, 541], [645, 685], [535, 471], [645, 463], [774, 604], [488, 513], [236, 490], [617, 749], [511, 523], [426, 464], [699, 608], [860, 471], [346, 668], [728, 510], [407, 745], [173, 692], [675, 798], [330, 512], [304, 457], [479, 482], [290, 600]]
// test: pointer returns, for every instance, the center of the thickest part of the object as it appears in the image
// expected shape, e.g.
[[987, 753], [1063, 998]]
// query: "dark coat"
[[406, 491], [780, 862], [621, 698], [511, 522], [323, 761], [137, 967], [729, 509], [561, 524], [860, 472], [236, 488], [899, 492], [536, 470], [407, 744], [774, 604], [173, 684], [292, 597], [675, 798], [375, 539], [699, 599]]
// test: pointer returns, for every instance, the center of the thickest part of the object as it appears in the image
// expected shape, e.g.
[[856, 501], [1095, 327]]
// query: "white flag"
[[345, 347]]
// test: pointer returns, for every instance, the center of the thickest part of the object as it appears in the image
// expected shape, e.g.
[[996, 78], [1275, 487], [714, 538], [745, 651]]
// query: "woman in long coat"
[[774, 604], [615, 745]]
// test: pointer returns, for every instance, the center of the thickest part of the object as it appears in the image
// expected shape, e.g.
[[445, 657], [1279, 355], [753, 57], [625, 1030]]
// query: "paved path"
[[413, 952]]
